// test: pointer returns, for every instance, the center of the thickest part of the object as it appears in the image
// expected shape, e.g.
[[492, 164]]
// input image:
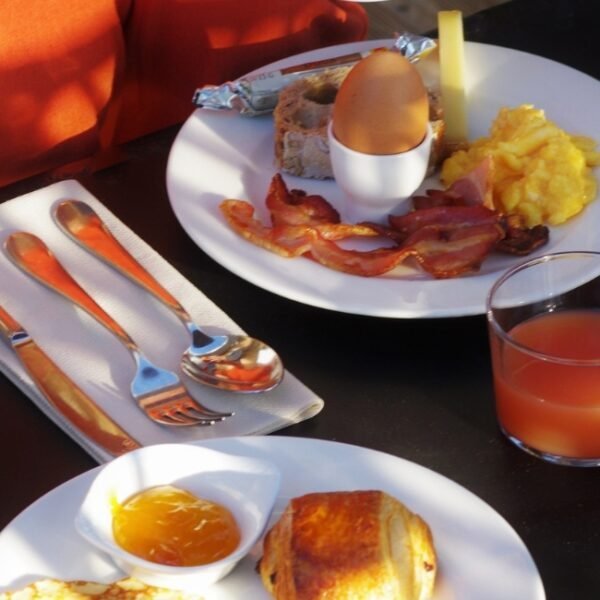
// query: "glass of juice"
[[544, 327]]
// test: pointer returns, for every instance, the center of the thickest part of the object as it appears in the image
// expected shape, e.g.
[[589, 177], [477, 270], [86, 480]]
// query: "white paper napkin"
[[95, 359]]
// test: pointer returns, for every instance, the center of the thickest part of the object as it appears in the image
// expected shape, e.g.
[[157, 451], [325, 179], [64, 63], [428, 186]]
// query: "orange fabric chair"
[[81, 76]]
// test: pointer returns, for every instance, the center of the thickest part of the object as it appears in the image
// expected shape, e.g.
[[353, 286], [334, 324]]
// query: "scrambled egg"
[[540, 172]]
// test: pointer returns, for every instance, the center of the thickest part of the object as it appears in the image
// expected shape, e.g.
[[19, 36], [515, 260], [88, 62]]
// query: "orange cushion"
[[172, 48], [78, 76], [58, 65]]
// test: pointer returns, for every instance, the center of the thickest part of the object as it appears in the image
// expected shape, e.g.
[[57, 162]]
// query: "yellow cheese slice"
[[452, 75]]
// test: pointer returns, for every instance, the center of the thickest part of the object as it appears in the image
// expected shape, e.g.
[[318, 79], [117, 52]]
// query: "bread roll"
[[348, 546], [301, 117]]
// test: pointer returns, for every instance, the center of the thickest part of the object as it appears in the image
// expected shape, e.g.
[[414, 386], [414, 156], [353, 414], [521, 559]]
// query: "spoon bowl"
[[231, 362]]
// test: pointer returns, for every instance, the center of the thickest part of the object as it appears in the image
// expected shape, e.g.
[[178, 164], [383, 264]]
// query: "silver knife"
[[63, 394]]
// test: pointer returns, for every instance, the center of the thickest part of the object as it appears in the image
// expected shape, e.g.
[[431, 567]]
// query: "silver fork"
[[158, 392]]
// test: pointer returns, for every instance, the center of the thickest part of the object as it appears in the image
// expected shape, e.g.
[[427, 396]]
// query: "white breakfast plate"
[[221, 155], [480, 555]]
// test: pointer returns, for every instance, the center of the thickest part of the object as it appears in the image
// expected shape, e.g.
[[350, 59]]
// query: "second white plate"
[[223, 155], [479, 554]]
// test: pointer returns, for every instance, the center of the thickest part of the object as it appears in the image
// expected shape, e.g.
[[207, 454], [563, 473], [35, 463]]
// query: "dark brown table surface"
[[425, 383]]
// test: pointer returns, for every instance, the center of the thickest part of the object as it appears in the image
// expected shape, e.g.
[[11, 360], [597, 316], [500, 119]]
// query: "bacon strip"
[[370, 263], [435, 198], [451, 216], [342, 231], [519, 240], [388, 232], [447, 252], [442, 252], [294, 240], [474, 189], [296, 208], [287, 241]]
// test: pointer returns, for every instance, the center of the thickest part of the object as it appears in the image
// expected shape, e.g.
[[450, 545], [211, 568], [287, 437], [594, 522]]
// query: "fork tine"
[[192, 405], [173, 405], [193, 413], [178, 420], [183, 413]]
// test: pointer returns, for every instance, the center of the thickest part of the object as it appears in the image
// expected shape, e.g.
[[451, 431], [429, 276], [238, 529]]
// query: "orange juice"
[[551, 405]]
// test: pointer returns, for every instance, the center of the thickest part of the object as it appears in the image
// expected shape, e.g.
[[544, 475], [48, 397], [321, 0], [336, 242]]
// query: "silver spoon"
[[232, 362]]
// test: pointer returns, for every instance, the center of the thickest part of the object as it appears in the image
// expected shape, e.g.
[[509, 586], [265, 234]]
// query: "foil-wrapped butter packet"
[[257, 94]]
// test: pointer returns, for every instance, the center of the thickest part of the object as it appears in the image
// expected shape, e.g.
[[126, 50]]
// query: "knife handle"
[[80, 222], [73, 404], [63, 394], [31, 255]]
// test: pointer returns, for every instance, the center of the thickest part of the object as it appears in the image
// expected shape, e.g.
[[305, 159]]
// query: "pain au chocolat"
[[349, 546]]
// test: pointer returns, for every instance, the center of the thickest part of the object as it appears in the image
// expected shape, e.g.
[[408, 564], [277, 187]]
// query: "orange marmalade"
[[171, 526]]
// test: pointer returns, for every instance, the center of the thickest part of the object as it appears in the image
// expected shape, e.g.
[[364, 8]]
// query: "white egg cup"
[[376, 185], [248, 487]]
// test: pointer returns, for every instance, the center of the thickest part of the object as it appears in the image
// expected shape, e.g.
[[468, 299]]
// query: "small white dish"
[[248, 487], [378, 184]]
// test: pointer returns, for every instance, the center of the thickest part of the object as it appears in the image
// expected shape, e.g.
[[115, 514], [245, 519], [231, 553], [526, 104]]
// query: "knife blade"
[[80, 411]]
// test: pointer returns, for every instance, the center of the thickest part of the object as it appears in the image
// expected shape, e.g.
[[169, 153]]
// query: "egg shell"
[[382, 106]]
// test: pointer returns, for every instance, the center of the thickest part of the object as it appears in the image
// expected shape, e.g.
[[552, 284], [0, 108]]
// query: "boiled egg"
[[381, 106]]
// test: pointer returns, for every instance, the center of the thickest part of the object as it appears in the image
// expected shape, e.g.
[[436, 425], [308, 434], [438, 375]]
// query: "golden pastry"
[[125, 589], [348, 546]]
